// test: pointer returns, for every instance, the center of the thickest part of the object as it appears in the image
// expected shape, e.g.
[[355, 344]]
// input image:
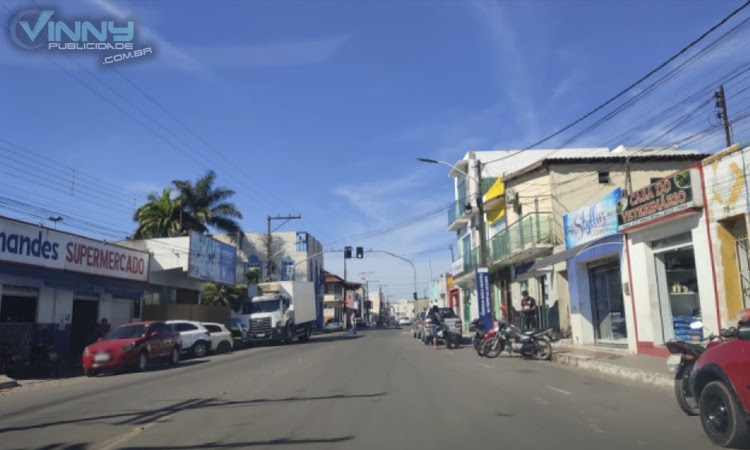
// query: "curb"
[[588, 363], [7, 383]]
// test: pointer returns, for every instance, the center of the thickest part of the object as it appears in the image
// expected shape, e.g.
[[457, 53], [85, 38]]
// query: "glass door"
[[607, 305]]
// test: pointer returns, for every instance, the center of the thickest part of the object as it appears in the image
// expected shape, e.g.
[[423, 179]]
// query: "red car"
[[721, 384], [132, 345]]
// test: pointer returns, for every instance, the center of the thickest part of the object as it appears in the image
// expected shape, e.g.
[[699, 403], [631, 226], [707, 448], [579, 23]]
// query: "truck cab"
[[282, 312]]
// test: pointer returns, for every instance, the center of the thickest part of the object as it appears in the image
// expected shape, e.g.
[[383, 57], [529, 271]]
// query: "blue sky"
[[318, 107]]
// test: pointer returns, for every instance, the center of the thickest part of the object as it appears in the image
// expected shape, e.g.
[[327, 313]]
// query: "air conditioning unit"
[[511, 196]]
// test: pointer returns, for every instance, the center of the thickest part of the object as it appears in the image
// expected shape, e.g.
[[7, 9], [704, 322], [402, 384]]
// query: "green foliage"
[[224, 295], [197, 207]]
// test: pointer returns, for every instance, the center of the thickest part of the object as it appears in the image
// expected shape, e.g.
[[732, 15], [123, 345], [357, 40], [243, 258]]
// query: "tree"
[[205, 205], [224, 295], [159, 217]]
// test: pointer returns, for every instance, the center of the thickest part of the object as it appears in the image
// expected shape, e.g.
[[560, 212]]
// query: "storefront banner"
[[663, 198], [483, 295], [592, 222], [211, 260], [24, 243], [458, 266]]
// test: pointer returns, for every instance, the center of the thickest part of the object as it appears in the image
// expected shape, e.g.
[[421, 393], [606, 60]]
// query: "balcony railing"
[[532, 229], [456, 210]]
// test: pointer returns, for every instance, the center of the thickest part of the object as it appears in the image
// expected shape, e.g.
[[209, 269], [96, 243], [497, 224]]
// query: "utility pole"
[[269, 240], [482, 231], [721, 105]]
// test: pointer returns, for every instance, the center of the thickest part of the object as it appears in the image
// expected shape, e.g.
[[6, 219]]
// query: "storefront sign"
[[665, 197], [211, 260], [483, 295], [458, 266], [25, 243], [592, 222]]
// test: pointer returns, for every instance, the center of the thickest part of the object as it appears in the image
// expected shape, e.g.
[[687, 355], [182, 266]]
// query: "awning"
[[543, 265], [555, 258]]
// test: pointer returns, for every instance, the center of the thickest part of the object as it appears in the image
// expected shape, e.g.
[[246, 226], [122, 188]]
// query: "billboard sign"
[[212, 260], [483, 295]]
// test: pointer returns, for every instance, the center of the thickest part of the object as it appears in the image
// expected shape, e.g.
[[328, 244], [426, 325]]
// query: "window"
[[184, 327], [603, 177], [164, 329], [213, 328]]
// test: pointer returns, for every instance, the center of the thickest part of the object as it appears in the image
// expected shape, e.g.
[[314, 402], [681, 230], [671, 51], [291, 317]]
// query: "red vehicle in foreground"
[[720, 383], [133, 345]]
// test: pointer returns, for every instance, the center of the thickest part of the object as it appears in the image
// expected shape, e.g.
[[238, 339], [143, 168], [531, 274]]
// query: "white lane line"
[[562, 391], [541, 401], [485, 366]]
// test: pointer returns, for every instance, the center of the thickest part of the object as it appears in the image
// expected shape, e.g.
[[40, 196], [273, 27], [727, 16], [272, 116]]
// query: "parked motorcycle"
[[535, 344], [684, 355], [452, 340], [490, 335], [477, 328]]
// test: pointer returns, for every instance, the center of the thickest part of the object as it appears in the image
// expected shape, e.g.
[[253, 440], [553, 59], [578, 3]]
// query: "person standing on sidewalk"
[[353, 329], [528, 308]]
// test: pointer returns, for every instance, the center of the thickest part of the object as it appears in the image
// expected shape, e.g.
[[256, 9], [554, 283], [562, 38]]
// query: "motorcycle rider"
[[435, 319]]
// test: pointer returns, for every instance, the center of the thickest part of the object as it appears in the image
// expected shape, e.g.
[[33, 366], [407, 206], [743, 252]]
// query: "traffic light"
[[360, 252], [347, 252], [415, 296]]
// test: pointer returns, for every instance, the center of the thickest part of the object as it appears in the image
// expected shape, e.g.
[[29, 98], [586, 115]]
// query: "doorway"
[[607, 305], [83, 325]]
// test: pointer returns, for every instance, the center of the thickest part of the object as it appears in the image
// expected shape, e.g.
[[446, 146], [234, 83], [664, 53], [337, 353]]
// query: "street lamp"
[[55, 220]]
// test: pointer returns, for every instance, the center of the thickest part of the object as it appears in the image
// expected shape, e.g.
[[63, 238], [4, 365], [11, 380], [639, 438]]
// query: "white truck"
[[283, 311]]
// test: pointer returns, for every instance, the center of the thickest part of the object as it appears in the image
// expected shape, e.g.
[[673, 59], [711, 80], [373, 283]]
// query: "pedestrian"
[[353, 329], [529, 309], [435, 320]]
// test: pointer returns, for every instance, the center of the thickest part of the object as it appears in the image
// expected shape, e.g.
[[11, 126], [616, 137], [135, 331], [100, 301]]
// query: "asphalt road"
[[378, 390]]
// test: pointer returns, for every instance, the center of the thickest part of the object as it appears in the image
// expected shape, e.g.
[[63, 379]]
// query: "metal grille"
[[19, 336], [260, 325]]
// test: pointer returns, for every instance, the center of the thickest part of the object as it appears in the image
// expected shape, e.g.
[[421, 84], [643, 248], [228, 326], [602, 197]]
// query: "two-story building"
[[341, 299]]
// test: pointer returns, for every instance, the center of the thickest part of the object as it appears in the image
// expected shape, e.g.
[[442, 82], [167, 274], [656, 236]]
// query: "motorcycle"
[[488, 336], [681, 362], [451, 340], [535, 344], [477, 328]]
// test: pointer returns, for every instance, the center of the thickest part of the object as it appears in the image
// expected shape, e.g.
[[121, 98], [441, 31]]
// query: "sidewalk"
[[6, 382], [642, 368]]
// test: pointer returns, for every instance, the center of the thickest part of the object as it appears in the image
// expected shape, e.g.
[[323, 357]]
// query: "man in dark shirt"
[[528, 308], [435, 321]]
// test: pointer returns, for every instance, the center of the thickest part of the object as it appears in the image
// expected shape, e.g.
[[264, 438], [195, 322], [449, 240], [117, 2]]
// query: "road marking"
[[541, 401], [121, 439], [485, 366], [562, 391]]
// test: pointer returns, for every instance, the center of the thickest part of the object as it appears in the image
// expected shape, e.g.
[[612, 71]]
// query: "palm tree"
[[205, 205], [159, 217]]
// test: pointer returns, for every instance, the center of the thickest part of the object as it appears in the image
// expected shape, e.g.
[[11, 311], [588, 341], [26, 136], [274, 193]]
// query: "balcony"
[[526, 239], [467, 263], [458, 215]]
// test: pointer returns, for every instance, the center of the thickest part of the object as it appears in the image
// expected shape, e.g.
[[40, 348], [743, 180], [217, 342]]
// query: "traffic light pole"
[[413, 268]]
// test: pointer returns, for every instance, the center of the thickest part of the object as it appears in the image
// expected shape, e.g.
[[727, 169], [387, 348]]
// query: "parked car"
[[719, 384], [221, 337], [132, 345], [451, 321], [417, 326], [334, 325], [361, 322], [404, 321], [196, 339]]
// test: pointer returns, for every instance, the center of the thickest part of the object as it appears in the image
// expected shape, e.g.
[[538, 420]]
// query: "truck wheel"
[[722, 418], [306, 336], [289, 334]]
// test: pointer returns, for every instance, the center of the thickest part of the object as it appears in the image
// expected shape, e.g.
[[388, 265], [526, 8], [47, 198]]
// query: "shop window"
[[18, 309], [678, 293]]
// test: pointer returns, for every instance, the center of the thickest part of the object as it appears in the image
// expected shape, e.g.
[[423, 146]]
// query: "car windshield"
[[264, 306], [126, 332]]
